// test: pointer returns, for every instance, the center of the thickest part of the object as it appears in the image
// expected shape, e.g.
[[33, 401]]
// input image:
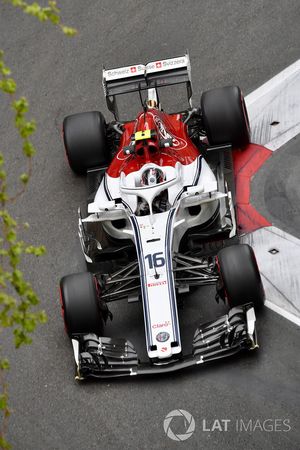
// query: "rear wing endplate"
[[165, 72]]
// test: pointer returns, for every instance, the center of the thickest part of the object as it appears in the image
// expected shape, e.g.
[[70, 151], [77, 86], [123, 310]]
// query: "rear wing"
[[165, 72]]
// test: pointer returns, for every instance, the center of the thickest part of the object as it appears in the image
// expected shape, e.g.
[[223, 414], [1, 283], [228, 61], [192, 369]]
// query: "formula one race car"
[[160, 220]]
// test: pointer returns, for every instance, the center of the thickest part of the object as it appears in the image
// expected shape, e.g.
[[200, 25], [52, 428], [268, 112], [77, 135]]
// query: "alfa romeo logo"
[[163, 336], [189, 423]]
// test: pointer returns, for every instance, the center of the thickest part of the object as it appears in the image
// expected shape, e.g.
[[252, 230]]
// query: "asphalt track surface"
[[230, 42]]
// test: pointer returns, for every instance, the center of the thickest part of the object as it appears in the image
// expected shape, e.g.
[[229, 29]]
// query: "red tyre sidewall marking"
[[245, 113], [62, 309], [223, 284], [97, 286], [256, 265], [66, 153]]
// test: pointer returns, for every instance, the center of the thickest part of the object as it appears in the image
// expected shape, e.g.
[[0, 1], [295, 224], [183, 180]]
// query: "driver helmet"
[[152, 176]]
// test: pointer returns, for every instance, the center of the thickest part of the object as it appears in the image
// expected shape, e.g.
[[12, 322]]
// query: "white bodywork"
[[157, 236]]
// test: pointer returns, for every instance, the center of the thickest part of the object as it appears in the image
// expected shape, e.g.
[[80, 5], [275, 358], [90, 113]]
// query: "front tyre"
[[225, 116], [240, 276], [80, 304]]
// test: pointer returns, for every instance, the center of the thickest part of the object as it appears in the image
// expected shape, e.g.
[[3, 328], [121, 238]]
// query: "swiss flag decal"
[[158, 65], [132, 69]]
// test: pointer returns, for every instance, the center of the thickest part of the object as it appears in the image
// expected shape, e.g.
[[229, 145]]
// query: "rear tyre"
[[85, 141], [240, 276], [225, 116], [80, 305]]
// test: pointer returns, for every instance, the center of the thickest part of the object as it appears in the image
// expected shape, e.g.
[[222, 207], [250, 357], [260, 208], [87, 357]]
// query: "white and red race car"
[[161, 218]]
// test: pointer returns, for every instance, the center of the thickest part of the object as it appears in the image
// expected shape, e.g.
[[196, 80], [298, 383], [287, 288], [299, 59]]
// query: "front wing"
[[103, 357]]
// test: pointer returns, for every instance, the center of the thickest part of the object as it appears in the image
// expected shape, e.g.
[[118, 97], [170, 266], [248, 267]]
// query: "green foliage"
[[18, 300], [17, 297], [50, 13]]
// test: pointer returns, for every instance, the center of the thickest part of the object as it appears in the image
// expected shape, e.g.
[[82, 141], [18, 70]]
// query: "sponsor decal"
[[121, 156], [124, 71], [163, 336], [167, 63], [178, 143], [144, 226], [157, 283], [173, 62], [113, 73], [164, 349], [164, 324]]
